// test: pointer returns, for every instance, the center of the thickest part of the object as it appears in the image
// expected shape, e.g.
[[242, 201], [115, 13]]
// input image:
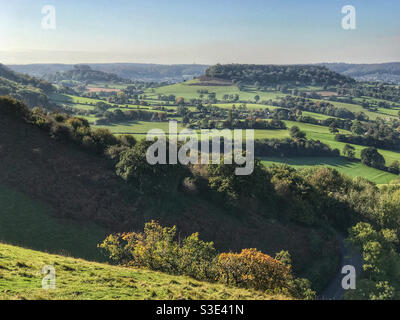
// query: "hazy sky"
[[205, 31]]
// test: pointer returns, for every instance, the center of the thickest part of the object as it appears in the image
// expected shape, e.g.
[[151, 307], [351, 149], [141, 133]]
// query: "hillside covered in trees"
[[131, 71], [384, 72], [84, 73], [273, 74], [33, 91]]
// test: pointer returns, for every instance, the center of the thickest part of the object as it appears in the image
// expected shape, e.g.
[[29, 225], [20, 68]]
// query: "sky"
[[202, 32]]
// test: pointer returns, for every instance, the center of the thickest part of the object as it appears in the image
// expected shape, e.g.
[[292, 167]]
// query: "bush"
[[60, 132], [14, 108], [253, 269], [102, 139], [157, 249]]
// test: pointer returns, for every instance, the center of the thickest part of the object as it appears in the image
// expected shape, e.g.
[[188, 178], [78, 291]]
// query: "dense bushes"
[[222, 178], [120, 116], [134, 168], [158, 249], [389, 142], [322, 107], [14, 108], [293, 148]]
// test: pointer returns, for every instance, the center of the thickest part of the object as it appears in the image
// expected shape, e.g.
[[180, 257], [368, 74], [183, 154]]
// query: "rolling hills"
[[386, 72], [61, 191]]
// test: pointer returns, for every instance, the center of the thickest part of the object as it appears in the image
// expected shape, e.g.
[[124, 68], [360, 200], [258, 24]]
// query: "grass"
[[322, 133], [382, 112], [189, 91], [29, 223], [21, 278], [350, 168], [138, 128]]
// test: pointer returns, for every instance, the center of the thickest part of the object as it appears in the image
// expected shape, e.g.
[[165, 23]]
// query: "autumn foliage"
[[253, 269], [156, 248]]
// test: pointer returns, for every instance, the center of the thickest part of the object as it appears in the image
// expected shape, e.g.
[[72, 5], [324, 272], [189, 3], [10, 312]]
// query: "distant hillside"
[[31, 90], [386, 72], [21, 275], [131, 71], [84, 73], [24, 79], [273, 74]]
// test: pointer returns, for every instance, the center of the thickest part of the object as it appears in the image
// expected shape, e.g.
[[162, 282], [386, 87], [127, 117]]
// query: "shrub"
[[253, 269], [102, 139], [157, 249], [60, 132], [14, 108]]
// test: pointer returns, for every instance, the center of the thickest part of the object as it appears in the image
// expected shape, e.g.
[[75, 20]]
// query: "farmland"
[[350, 168], [246, 96]]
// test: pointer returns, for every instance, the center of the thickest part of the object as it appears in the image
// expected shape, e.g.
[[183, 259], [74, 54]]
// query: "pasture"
[[352, 169]]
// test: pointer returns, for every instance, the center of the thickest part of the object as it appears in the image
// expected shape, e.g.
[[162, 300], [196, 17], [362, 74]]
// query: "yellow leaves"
[[251, 268]]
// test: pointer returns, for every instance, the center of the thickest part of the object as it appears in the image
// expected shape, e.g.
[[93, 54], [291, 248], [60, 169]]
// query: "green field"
[[322, 133], [188, 90], [21, 279], [350, 168], [29, 223], [382, 112]]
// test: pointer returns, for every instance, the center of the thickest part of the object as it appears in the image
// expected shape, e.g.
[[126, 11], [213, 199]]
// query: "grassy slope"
[[29, 223], [188, 91], [21, 278]]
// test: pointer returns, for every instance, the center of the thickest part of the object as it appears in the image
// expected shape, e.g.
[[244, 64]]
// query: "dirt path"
[[350, 256]]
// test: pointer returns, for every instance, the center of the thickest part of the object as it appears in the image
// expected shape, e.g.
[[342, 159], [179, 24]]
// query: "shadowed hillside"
[[80, 187]]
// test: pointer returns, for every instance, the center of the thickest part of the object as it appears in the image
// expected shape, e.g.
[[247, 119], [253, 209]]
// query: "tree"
[[296, 133], [349, 151], [138, 172], [180, 101], [257, 98], [357, 128], [394, 167], [253, 269], [372, 158], [333, 128]]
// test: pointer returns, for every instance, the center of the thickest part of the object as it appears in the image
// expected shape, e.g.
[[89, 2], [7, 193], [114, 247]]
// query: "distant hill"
[[31, 90], [273, 74], [84, 73], [386, 72], [24, 79], [131, 71]]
